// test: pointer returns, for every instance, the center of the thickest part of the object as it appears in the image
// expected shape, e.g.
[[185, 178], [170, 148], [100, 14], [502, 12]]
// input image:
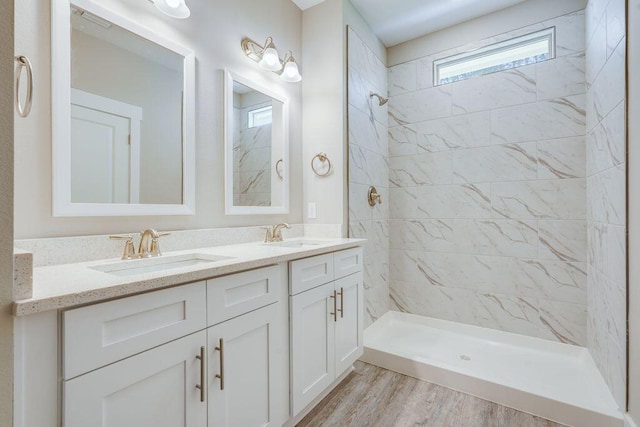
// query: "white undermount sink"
[[161, 263], [294, 243]]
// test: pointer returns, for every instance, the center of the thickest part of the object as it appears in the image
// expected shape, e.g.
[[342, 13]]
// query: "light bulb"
[[290, 72], [270, 60], [174, 8]]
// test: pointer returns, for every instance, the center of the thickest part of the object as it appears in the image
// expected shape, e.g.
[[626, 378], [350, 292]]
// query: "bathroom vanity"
[[256, 336]]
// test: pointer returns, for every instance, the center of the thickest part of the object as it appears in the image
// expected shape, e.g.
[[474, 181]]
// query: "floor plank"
[[372, 396]]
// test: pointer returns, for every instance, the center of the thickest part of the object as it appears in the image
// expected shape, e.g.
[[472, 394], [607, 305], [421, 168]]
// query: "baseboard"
[[628, 421]]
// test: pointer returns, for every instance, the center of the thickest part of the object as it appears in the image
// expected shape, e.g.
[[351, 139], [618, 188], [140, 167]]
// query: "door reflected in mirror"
[[256, 132], [126, 116]]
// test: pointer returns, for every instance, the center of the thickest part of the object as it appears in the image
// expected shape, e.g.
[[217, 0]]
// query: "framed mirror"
[[123, 116], [256, 148]]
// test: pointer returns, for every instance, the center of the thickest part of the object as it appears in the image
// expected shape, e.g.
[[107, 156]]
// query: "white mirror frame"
[[61, 117], [230, 208]]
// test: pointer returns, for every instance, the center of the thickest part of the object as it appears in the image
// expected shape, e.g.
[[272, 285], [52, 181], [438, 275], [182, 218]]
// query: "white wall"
[[6, 211], [324, 120], [483, 27], [214, 32], [633, 58]]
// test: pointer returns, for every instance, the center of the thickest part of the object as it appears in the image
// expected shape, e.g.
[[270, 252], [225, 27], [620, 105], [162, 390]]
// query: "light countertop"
[[67, 285]]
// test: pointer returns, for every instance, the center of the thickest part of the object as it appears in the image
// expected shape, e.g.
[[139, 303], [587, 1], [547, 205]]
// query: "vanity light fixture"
[[268, 59], [173, 8]]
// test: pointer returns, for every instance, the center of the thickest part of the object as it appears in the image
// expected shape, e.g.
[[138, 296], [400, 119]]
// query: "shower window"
[[259, 117], [517, 52]]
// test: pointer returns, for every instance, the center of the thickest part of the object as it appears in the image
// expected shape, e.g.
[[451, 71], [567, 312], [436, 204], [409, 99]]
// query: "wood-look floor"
[[372, 396]]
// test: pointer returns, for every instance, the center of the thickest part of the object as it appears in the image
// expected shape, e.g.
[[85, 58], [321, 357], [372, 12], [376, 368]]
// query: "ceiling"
[[396, 21]]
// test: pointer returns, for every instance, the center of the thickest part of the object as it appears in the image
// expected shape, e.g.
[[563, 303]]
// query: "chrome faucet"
[[274, 234]]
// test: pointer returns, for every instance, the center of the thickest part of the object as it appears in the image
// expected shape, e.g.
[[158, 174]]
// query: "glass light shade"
[[174, 8], [290, 72], [270, 60]]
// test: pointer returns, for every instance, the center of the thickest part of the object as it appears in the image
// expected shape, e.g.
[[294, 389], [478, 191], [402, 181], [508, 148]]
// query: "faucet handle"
[[129, 251], [268, 237], [154, 250]]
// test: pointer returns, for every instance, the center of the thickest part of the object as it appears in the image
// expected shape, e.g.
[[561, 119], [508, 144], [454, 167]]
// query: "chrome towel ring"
[[23, 62], [322, 158], [279, 164]]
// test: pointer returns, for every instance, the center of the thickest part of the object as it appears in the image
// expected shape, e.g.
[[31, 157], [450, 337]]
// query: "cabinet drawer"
[[305, 274], [104, 333], [240, 293], [347, 262]]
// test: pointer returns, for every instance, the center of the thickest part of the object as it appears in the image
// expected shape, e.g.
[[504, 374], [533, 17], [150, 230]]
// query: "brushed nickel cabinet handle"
[[221, 374], [335, 306], [341, 309], [203, 378]]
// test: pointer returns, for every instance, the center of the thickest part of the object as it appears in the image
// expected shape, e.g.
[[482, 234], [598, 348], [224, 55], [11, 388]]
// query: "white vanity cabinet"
[[248, 354], [156, 388], [233, 365], [326, 305]]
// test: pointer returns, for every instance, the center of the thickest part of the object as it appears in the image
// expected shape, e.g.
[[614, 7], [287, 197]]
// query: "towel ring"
[[278, 163], [322, 157], [23, 62]]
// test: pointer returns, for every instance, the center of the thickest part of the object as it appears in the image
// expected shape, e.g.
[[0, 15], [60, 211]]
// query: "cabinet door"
[[349, 326], [245, 352], [156, 388], [312, 344]]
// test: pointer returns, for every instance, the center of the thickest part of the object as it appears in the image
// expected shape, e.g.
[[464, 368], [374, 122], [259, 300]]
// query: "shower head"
[[381, 100]]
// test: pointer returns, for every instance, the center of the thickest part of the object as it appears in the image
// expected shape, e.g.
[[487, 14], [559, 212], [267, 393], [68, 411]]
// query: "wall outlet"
[[312, 211]]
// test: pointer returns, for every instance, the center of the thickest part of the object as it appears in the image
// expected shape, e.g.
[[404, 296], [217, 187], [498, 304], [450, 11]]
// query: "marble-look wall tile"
[[563, 240], [360, 99], [606, 142], [562, 158], [509, 87], [561, 77], [596, 53], [508, 162], [488, 191], [606, 196], [403, 203], [566, 322], [427, 168], [367, 133], [555, 118], [616, 24], [464, 131], [608, 89], [403, 141], [540, 199], [419, 106], [454, 201], [366, 63], [403, 78], [369, 165]]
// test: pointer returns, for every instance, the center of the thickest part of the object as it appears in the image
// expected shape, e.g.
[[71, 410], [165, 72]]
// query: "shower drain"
[[464, 357]]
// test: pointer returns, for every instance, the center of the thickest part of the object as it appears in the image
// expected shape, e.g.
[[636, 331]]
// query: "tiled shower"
[[503, 195]]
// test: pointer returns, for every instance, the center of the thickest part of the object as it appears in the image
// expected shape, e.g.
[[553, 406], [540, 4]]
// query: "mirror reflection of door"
[[105, 147]]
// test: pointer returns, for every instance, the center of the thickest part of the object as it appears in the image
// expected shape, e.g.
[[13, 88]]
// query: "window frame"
[[251, 114], [548, 34]]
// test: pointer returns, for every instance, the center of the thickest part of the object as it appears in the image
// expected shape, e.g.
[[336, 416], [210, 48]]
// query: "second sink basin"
[[150, 265]]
